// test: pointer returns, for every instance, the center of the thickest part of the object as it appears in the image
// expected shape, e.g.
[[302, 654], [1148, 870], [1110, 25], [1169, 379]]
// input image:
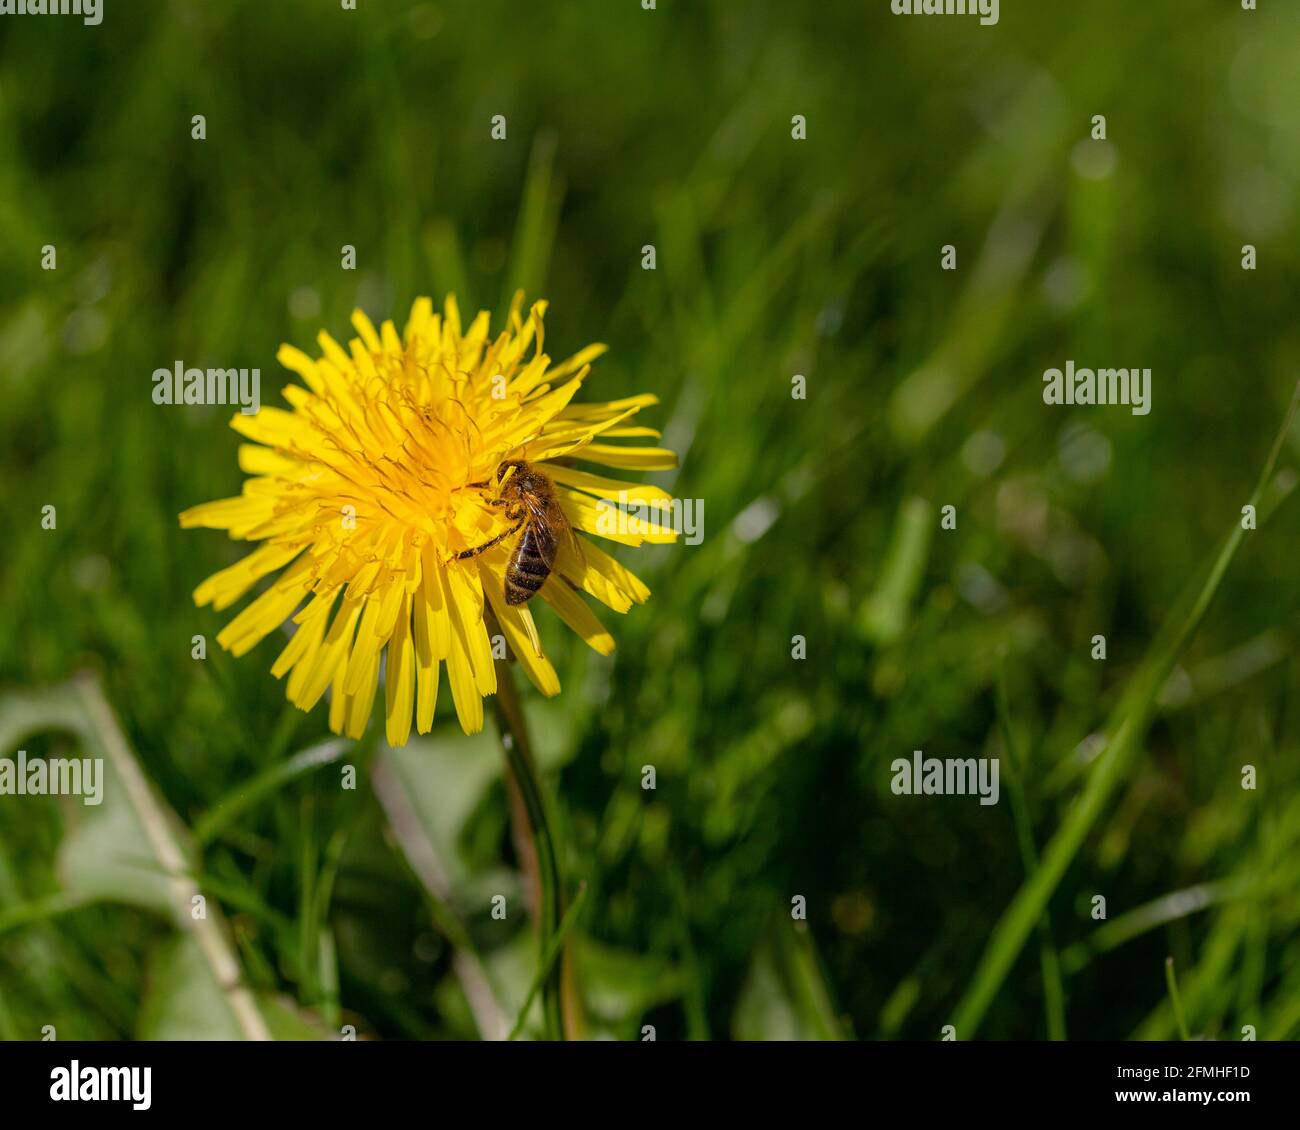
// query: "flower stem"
[[549, 885]]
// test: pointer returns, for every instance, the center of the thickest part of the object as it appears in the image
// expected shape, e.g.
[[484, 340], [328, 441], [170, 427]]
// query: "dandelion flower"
[[377, 495]]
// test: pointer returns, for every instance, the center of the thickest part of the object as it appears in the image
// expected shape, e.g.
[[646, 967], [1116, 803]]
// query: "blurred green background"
[[775, 257]]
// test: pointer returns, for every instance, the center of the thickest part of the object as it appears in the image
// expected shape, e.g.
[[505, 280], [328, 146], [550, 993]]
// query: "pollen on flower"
[[379, 499]]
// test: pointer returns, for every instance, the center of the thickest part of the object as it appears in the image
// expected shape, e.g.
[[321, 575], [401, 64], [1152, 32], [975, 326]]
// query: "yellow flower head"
[[391, 494]]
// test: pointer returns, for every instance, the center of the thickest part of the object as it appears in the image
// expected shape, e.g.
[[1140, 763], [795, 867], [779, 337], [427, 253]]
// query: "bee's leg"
[[464, 553]]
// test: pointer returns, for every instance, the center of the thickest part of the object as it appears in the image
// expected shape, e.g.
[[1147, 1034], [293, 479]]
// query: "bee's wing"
[[542, 521], [539, 510], [560, 520]]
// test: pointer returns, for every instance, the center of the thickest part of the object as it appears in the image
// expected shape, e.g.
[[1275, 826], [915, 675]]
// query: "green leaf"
[[184, 1002], [785, 996]]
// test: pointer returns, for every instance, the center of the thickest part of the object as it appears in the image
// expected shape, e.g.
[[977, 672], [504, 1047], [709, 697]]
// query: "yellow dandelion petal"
[[577, 615], [630, 528], [274, 427], [330, 663], [366, 328], [630, 433], [596, 573], [338, 704], [421, 312], [602, 487], [298, 362], [257, 460], [365, 650], [426, 691], [632, 458], [388, 497], [465, 601], [227, 513], [300, 652], [399, 677], [580, 359], [222, 589], [267, 612], [362, 700], [432, 625]]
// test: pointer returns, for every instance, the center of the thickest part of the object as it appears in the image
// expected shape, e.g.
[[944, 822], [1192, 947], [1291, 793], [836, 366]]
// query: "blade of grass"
[[308, 928], [244, 796], [326, 951], [538, 213], [1172, 981], [806, 979], [1206, 987], [40, 910], [1127, 728], [447, 262], [1172, 907], [549, 954], [884, 614], [694, 997], [8, 1026], [1053, 992]]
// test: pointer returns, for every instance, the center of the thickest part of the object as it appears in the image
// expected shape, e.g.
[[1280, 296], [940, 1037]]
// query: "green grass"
[[371, 906]]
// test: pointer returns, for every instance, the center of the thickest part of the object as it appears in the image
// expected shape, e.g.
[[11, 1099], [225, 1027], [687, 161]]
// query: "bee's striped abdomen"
[[530, 564]]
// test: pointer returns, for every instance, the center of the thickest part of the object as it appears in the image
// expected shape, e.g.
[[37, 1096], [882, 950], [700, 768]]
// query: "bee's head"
[[513, 478]]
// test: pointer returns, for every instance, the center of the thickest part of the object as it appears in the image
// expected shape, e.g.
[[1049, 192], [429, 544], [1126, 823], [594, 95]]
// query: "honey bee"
[[531, 503]]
